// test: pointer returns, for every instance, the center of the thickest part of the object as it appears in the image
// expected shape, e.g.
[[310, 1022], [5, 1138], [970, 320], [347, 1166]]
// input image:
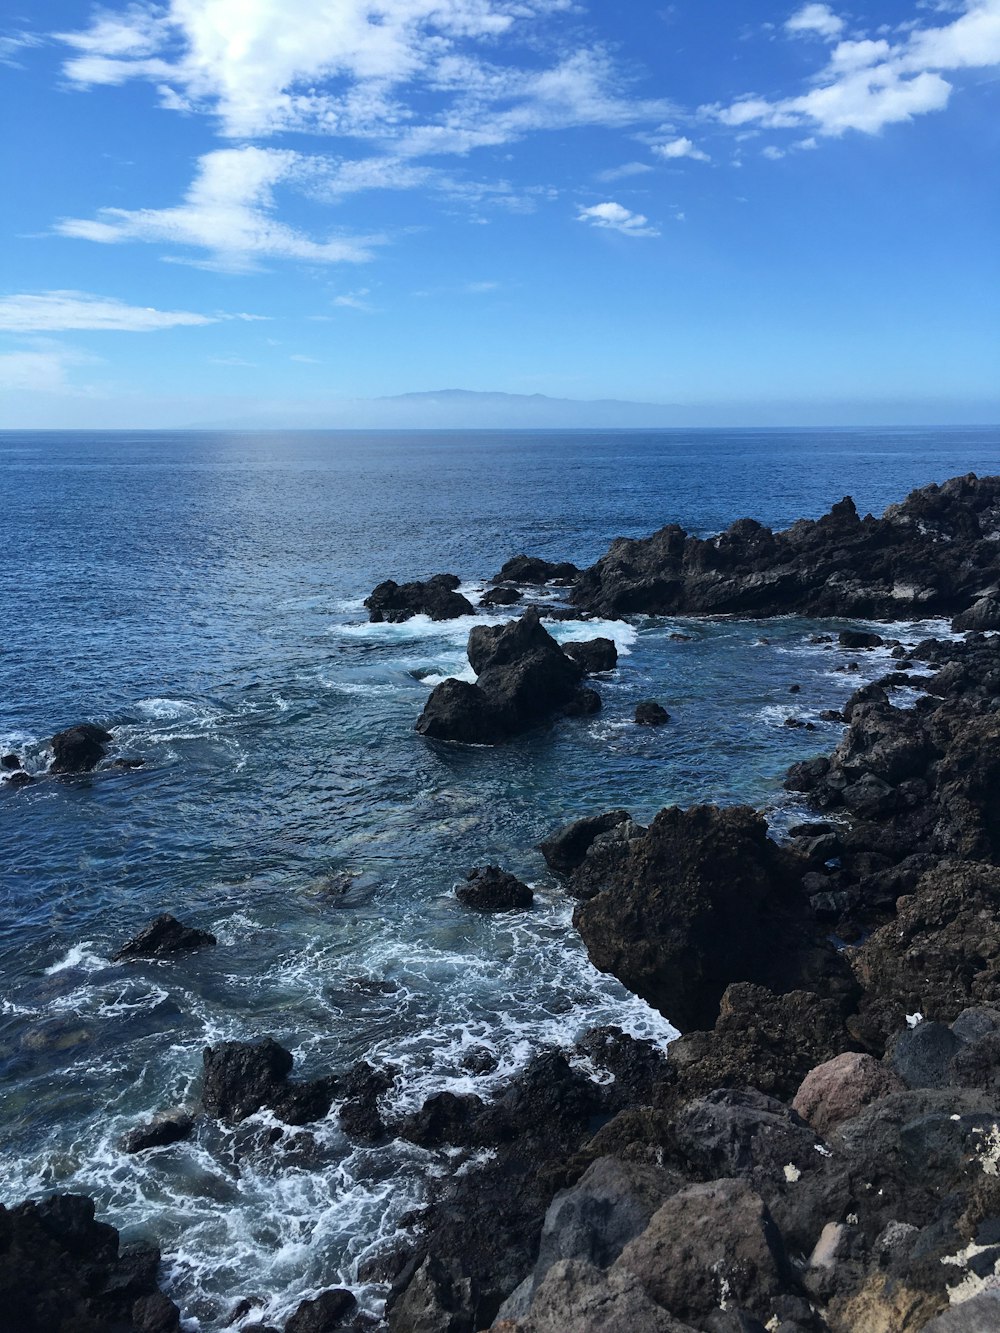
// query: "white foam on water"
[[621, 632], [162, 709], [83, 957]]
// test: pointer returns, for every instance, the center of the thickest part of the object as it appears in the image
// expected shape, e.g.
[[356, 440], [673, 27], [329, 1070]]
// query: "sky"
[[291, 212]]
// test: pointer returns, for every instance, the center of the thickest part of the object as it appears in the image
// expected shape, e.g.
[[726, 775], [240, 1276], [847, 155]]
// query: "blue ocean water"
[[200, 595]]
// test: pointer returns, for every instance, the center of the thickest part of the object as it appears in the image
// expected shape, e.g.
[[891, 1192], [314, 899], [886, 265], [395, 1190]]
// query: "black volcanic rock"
[[532, 569], [79, 749], [490, 889], [63, 1272], [593, 654], [701, 899], [931, 555], [649, 713], [11, 762], [524, 680], [504, 595], [436, 597], [164, 1129], [565, 849], [244, 1077], [162, 937]]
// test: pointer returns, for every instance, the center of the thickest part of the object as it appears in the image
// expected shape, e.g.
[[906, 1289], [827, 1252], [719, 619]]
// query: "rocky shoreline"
[[820, 1149]]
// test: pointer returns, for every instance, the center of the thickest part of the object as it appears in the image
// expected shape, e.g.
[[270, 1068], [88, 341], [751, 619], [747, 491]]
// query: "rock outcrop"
[[162, 937], [63, 1272], [524, 679], [242, 1078], [79, 749], [436, 597], [934, 554], [490, 889]]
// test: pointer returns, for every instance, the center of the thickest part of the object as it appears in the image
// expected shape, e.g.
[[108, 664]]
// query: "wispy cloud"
[[60, 311], [41, 368], [12, 44], [627, 169], [357, 300], [868, 84], [348, 68], [228, 212], [611, 216]]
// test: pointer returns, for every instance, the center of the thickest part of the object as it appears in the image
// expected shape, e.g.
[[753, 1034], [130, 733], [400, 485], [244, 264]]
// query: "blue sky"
[[275, 211]]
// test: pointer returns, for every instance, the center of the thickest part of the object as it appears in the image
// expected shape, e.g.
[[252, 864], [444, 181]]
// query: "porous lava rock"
[[79, 749], [565, 849], [63, 1272], [324, 1313], [242, 1078], [524, 679], [166, 1128], [701, 899], [533, 569], [162, 937], [933, 554], [435, 597], [491, 889], [593, 655]]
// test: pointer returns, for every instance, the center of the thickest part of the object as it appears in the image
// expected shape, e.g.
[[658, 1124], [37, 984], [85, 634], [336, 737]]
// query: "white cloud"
[[615, 217], [818, 19], [228, 212], [13, 44], [304, 360], [677, 148], [356, 300], [55, 312], [262, 66], [869, 84]]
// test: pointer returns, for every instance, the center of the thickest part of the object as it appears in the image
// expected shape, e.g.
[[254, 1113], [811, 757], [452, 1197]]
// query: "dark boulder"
[[524, 680], [701, 899], [859, 638], [593, 655], [436, 598], [532, 569], [708, 1245], [649, 713], [584, 703], [982, 615], [11, 762], [79, 749], [504, 595], [325, 1313], [490, 889], [565, 849], [62, 1272], [446, 1117], [162, 937], [359, 1114], [438, 1298], [166, 1128], [242, 1078]]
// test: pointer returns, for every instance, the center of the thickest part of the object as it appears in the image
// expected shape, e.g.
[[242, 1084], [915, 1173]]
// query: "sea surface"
[[200, 594]]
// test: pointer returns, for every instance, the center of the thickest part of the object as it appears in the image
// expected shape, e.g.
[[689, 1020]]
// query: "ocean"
[[200, 594]]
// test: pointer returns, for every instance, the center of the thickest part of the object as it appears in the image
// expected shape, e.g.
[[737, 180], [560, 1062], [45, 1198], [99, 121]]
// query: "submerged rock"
[[490, 889], [166, 1128], [436, 597], [79, 749], [11, 762], [162, 937], [649, 713]]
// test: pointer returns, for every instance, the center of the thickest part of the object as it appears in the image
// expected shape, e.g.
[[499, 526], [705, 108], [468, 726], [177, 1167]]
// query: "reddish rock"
[[838, 1089]]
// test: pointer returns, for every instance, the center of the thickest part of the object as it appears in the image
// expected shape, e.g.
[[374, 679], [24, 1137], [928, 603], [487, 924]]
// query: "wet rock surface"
[[63, 1272], [79, 749], [524, 680], [242, 1078], [490, 889], [933, 554], [161, 938], [435, 597]]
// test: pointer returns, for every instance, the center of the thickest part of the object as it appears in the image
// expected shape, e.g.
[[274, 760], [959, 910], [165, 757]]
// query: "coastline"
[[543, 1130]]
